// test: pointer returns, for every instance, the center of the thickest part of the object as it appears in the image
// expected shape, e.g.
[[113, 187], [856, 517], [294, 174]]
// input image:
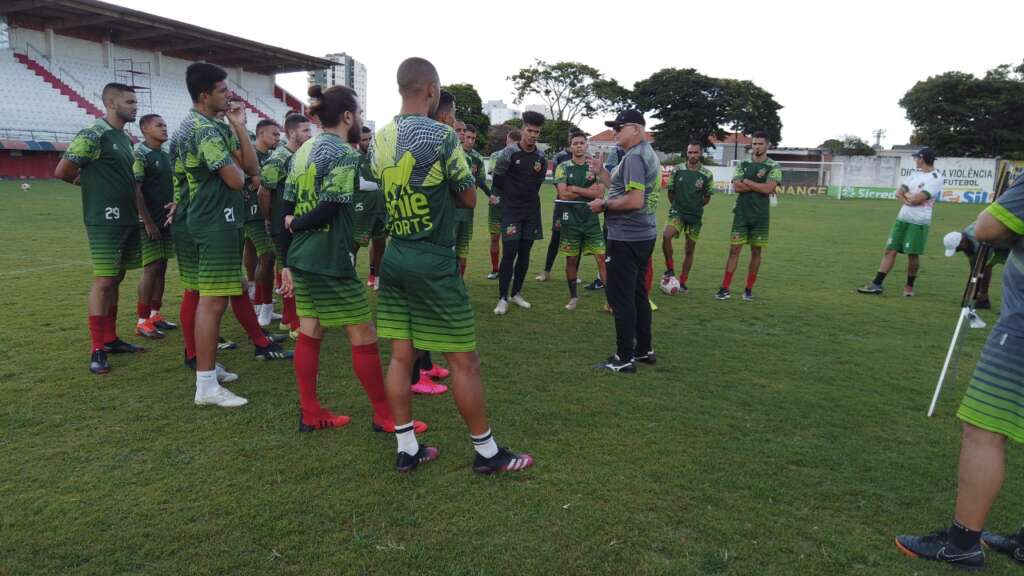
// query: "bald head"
[[416, 76]]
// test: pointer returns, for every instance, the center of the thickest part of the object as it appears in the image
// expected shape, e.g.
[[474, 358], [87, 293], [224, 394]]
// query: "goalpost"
[[815, 179]]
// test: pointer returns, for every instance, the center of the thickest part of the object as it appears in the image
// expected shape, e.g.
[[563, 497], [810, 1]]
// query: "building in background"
[[347, 71], [541, 109], [499, 112]]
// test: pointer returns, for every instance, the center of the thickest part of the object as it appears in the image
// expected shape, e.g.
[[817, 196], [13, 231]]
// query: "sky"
[[837, 68]]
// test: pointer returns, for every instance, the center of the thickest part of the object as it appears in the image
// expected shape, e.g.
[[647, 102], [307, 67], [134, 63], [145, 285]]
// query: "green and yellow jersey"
[[105, 157], [154, 173], [689, 190]]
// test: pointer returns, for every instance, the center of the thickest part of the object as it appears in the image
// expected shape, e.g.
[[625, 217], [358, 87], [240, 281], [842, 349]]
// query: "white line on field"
[[43, 268]]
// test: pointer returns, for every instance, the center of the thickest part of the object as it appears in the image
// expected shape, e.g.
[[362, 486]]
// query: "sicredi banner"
[[964, 180]]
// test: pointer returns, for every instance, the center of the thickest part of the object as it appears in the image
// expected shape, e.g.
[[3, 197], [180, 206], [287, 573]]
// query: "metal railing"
[[36, 135], [38, 55]]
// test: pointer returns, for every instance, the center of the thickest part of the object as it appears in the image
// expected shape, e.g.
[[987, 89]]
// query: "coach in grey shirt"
[[632, 231]]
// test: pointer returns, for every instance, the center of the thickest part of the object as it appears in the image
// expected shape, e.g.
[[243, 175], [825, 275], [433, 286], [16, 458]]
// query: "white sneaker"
[[571, 305], [274, 316], [263, 314], [223, 376], [501, 308], [518, 300], [542, 277], [220, 396]]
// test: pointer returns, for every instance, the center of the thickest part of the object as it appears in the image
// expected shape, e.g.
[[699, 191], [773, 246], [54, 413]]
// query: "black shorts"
[[516, 225]]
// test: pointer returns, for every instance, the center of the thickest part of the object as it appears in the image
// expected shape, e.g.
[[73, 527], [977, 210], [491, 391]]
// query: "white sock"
[[154, 313], [140, 322], [263, 312], [206, 381], [406, 435], [484, 444]]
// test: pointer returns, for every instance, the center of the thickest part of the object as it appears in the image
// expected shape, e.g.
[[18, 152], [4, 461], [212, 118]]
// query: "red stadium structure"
[[56, 56]]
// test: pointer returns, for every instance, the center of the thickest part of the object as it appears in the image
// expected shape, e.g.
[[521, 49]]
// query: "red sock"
[[366, 363], [751, 278], [142, 310], [277, 278], [727, 280], [462, 268], [187, 317], [683, 279], [96, 329], [155, 306], [246, 316], [110, 326], [670, 264], [494, 261], [257, 298], [307, 363], [268, 293], [288, 315], [649, 276]]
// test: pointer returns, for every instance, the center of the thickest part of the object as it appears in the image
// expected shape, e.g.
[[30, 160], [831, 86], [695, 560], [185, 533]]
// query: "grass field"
[[784, 436]]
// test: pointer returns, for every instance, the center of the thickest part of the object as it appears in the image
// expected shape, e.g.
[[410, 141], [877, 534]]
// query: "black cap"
[[627, 117], [926, 154]]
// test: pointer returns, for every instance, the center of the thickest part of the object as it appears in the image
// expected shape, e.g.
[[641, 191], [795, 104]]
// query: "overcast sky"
[[835, 67]]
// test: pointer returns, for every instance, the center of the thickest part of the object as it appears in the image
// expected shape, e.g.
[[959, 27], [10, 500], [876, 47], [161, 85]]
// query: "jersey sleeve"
[[340, 183], [672, 180], [560, 177], [741, 172], [933, 186], [271, 173], [775, 174], [501, 161], [213, 149], [634, 176], [1009, 208], [709, 181], [481, 173], [84, 148], [459, 175], [139, 164]]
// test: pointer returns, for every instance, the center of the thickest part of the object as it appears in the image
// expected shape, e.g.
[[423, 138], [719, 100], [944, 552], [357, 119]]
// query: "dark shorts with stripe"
[[113, 249], [995, 397], [333, 301], [518, 224], [220, 262], [423, 299]]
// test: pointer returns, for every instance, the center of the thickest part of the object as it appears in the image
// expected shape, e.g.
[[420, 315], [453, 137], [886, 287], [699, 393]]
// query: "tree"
[[848, 146], [469, 109], [571, 90], [959, 114], [555, 133], [750, 108]]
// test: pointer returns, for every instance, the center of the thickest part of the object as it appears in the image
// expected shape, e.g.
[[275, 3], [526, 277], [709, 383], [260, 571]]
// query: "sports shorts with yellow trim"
[[188, 256], [333, 301], [256, 232], [156, 250], [113, 249], [753, 231], [220, 262], [689, 230], [586, 239], [494, 219]]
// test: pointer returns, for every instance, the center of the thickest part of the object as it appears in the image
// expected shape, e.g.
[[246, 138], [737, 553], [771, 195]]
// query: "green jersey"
[[105, 156], [273, 174], [754, 205], [690, 189], [212, 205], [327, 175], [476, 167], [252, 202], [580, 175], [154, 173], [420, 165]]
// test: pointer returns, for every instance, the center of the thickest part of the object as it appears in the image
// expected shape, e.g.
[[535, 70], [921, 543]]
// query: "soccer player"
[[754, 181], [519, 172], [632, 231], [319, 269], [689, 191], [991, 408], [423, 300], [371, 217], [275, 170], [966, 241], [260, 263], [909, 235], [479, 171], [494, 207], [100, 159], [154, 196], [581, 232], [556, 223]]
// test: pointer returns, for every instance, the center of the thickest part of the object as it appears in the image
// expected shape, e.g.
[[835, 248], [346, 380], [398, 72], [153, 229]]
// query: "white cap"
[[952, 242]]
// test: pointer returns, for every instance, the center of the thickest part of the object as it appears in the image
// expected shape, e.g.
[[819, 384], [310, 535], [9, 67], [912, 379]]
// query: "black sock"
[[572, 288], [373, 270], [962, 537], [910, 280], [879, 278], [426, 362]]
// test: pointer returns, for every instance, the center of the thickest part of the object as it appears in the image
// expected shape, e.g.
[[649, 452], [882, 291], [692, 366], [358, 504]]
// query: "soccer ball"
[[25, 186], [670, 285]]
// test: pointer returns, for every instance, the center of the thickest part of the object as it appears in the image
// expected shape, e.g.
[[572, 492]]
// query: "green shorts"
[[583, 239], [334, 301], [689, 230], [220, 262], [188, 256], [907, 238], [494, 219], [994, 400], [156, 250], [423, 299], [113, 249], [256, 232], [278, 241], [749, 231], [463, 237], [368, 227]]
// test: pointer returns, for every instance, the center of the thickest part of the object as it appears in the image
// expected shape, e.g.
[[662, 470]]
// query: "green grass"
[[785, 436]]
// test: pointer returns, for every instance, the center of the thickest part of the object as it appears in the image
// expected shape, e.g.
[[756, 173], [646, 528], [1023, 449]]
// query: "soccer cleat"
[[518, 300], [504, 461], [436, 372], [161, 323], [908, 291], [937, 546], [223, 344], [408, 462], [645, 357], [870, 288], [654, 307], [388, 426], [615, 364], [1009, 544], [682, 288], [502, 308], [275, 338], [370, 281], [543, 276], [98, 363], [572, 304], [119, 346], [428, 387], [223, 376], [748, 295], [190, 363], [595, 285], [723, 294], [324, 419], [272, 352], [219, 396], [492, 276], [149, 330]]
